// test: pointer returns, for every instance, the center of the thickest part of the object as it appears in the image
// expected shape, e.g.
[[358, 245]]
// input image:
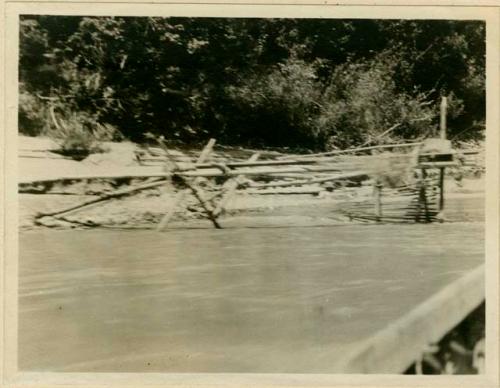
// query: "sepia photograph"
[[251, 195]]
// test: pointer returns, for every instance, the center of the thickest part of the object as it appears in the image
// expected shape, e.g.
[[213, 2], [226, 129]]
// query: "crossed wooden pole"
[[211, 208]]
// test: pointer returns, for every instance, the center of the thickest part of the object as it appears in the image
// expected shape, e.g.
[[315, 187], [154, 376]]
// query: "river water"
[[278, 299]]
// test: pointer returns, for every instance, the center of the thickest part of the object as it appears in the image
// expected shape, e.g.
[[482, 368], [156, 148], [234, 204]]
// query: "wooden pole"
[[422, 198], [206, 151], [171, 211], [442, 123], [441, 191], [231, 188], [419, 366], [105, 197], [207, 173], [200, 196], [420, 185], [182, 193], [338, 152], [378, 200], [442, 135], [266, 171]]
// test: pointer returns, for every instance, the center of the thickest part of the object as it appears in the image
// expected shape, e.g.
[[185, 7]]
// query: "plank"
[[394, 349]]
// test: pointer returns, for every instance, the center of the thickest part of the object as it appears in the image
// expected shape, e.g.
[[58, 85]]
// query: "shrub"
[[32, 115], [361, 106], [79, 134], [277, 108]]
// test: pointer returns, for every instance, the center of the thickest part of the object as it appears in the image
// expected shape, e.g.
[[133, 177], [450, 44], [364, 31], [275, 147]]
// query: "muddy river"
[[275, 299]]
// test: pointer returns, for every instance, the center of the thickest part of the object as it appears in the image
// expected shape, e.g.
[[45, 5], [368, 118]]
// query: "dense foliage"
[[308, 83]]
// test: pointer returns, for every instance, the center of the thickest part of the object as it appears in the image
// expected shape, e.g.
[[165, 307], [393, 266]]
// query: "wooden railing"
[[395, 348]]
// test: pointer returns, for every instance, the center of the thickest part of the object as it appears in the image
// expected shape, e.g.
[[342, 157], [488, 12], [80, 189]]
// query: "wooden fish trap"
[[213, 184], [206, 186], [417, 202], [212, 180], [410, 204]]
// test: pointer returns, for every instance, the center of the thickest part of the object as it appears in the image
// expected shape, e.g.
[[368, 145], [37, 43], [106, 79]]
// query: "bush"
[[32, 116], [79, 134], [358, 105], [277, 108], [362, 106]]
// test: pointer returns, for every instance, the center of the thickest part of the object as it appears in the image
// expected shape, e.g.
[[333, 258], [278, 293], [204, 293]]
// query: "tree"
[[311, 83]]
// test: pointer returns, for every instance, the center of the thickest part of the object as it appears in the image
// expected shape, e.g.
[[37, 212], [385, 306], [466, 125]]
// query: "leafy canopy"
[[301, 83]]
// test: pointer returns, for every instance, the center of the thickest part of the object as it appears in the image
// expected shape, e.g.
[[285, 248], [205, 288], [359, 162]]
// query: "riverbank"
[[37, 160]]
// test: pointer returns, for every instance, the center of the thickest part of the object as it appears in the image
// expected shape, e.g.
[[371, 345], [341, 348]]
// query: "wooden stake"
[[206, 151], [171, 211], [442, 123], [441, 188], [422, 199], [442, 135], [231, 189], [378, 200], [441, 194], [419, 366], [200, 196]]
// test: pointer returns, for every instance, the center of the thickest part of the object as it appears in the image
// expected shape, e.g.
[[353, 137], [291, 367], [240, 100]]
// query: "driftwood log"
[[102, 198]]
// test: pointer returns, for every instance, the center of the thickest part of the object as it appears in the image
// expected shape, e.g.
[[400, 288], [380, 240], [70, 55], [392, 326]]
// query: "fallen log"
[[105, 197], [262, 171], [193, 174], [82, 177], [251, 163]]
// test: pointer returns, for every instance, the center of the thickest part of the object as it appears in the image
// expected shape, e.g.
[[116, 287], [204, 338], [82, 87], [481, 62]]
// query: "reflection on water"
[[233, 300]]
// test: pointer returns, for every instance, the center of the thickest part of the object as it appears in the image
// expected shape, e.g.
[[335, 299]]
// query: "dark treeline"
[[309, 83]]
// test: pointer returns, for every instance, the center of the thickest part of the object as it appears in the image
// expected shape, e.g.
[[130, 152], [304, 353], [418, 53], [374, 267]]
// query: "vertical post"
[[442, 123], [419, 366], [422, 198], [441, 194], [378, 200], [442, 135], [230, 189]]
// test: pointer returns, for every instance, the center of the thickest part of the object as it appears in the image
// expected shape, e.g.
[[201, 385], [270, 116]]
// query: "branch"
[[53, 117], [426, 50], [382, 134]]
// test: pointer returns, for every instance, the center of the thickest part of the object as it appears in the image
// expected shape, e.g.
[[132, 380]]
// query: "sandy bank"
[[144, 209]]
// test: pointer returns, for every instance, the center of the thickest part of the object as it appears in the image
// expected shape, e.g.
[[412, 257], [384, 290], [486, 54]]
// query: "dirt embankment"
[[145, 209]]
